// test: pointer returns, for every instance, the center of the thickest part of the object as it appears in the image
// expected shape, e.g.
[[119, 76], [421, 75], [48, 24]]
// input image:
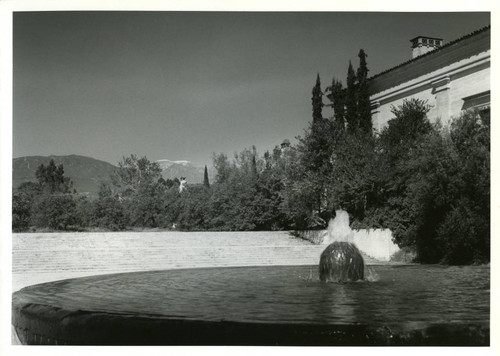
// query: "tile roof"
[[486, 28]]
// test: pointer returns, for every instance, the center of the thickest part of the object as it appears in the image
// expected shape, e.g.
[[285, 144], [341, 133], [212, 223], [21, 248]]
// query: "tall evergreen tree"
[[317, 101], [363, 97], [206, 183], [351, 106], [254, 166], [337, 97]]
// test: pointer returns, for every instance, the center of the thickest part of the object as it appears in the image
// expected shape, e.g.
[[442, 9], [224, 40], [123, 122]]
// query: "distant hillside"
[[85, 172], [178, 169]]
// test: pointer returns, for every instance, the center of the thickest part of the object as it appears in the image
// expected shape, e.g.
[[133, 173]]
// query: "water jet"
[[341, 261]]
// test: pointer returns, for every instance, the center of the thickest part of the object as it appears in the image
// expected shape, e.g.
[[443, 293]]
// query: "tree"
[[302, 203], [436, 185], [108, 211], [425, 195], [22, 203], [464, 234], [206, 183], [268, 160], [351, 106], [137, 184], [250, 197], [254, 166], [353, 184], [402, 135], [404, 131], [46, 203], [222, 167], [247, 162], [193, 209], [134, 172], [268, 202], [363, 96], [84, 210], [311, 176], [55, 211], [145, 208], [317, 101], [465, 231], [231, 204], [337, 98], [51, 178]]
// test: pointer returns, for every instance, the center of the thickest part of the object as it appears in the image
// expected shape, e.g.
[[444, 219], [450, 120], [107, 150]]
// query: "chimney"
[[421, 45]]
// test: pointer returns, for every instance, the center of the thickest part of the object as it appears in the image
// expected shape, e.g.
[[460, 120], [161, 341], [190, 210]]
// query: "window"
[[480, 101]]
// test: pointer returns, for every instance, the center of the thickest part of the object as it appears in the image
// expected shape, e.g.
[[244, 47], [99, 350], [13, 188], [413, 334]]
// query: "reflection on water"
[[370, 274], [396, 296]]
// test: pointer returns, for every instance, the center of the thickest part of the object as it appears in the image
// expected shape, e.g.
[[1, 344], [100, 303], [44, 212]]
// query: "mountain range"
[[178, 169], [87, 172]]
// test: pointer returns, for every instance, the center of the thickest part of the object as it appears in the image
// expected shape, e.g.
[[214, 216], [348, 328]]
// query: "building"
[[451, 77], [285, 145]]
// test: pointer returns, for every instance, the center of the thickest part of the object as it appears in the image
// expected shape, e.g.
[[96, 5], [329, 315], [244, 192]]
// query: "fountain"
[[277, 305], [273, 305], [341, 261]]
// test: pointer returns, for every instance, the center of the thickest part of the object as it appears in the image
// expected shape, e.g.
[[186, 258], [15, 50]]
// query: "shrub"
[[464, 235], [109, 214], [55, 211]]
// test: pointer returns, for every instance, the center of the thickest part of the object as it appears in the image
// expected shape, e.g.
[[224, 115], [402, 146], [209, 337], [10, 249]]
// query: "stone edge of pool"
[[38, 324]]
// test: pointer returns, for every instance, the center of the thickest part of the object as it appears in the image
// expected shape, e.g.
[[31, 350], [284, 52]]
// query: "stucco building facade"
[[451, 77]]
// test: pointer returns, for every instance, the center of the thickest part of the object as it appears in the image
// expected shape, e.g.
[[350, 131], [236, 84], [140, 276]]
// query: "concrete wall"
[[45, 257], [376, 243], [467, 85]]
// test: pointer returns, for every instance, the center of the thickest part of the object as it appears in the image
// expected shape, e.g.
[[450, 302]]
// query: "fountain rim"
[[118, 328]]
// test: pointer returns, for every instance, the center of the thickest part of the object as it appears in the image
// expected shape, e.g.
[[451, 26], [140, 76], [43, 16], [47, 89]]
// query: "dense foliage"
[[429, 184]]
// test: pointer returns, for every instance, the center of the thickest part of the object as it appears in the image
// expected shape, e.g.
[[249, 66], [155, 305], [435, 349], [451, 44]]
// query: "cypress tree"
[[337, 97], [364, 110], [206, 183], [317, 101], [267, 159], [351, 107], [254, 166]]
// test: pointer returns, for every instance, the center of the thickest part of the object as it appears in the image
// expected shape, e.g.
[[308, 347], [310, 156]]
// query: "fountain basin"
[[259, 306]]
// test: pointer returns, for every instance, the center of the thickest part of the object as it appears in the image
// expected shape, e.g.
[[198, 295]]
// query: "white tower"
[[182, 186]]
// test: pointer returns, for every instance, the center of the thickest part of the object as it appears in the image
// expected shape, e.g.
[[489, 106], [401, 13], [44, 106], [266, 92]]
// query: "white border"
[[6, 9]]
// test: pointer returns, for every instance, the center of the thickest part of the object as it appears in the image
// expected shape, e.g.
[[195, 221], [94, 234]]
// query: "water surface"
[[400, 297]]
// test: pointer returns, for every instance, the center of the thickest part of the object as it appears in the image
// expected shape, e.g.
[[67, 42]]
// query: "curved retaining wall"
[[45, 257]]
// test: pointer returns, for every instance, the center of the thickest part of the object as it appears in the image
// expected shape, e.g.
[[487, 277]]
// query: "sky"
[[181, 85]]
